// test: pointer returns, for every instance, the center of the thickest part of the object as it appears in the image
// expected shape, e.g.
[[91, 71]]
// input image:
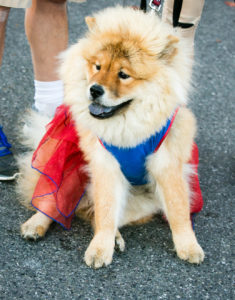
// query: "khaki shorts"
[[23, 3]]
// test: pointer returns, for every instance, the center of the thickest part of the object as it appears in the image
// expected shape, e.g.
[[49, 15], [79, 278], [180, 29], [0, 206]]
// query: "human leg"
[[5, 6], [6, 158], [46, 27], [8, 169], [189, 16], [4, 12]]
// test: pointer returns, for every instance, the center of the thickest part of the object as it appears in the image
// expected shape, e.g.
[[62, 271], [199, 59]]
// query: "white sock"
[[48, 96]]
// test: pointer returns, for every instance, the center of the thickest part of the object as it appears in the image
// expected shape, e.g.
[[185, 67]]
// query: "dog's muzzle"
[[98, 110]]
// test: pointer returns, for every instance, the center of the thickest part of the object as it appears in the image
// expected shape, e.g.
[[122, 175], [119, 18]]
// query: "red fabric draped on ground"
[[63, 178]]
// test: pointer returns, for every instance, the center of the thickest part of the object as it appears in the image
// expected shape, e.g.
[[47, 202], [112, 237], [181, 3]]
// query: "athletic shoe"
[[8, 167]]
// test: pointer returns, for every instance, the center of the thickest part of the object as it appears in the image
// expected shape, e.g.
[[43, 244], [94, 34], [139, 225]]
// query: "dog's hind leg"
[[36, 227], [119, 241]]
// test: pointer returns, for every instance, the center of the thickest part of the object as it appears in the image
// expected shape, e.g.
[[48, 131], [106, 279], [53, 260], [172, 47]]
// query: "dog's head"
[[129, 67]]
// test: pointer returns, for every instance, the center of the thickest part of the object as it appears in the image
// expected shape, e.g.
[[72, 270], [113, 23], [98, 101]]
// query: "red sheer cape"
[[61, 164], [63, 178]]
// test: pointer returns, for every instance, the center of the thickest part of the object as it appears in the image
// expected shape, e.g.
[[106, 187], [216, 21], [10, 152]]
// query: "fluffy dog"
[[124, 82]]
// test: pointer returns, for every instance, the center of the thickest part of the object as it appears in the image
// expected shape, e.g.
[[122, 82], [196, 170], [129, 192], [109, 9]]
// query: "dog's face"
[[111, 80], [127, 71]]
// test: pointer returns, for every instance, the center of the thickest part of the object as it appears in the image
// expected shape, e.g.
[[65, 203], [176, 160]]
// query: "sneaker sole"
[[9, 178]]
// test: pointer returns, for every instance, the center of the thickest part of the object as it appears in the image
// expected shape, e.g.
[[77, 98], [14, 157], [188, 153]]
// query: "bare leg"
[[46, 27], [4, 12]]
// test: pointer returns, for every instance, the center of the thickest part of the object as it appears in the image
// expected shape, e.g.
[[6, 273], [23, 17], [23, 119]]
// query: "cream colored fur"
[[32, 133], [161, 66]]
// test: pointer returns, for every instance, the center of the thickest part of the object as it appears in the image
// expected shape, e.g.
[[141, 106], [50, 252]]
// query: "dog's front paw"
[[36, 227], [100, 251], [32, 232], [189, 250]]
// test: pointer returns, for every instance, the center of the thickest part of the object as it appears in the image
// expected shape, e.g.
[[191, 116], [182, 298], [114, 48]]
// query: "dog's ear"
[[90, 21], [170, 49]]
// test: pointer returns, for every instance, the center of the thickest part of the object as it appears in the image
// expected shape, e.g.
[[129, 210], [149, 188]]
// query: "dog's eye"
[[98, 67], [123, 75]]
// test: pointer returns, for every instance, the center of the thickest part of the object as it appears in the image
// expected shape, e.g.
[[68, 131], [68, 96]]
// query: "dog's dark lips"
[[103, 112]]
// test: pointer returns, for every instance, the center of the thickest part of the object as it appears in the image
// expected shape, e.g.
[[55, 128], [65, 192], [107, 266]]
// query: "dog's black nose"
[[96, 91]]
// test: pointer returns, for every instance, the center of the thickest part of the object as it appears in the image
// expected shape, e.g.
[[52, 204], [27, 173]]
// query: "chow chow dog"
[[123, 83]]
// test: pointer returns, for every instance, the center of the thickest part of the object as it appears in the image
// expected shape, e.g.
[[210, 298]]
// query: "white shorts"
[[23, 3]]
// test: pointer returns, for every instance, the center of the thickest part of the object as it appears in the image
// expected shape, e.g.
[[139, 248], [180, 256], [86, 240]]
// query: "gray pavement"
[[53, 268]]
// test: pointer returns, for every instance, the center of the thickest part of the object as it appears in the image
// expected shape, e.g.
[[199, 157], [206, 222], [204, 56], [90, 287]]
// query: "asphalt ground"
[[53, 268]]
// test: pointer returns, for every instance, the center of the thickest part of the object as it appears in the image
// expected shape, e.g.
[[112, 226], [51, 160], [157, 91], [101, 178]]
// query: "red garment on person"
[[63, 178]]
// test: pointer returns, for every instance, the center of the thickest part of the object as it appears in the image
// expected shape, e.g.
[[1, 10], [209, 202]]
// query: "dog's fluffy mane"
[[156, 53]]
